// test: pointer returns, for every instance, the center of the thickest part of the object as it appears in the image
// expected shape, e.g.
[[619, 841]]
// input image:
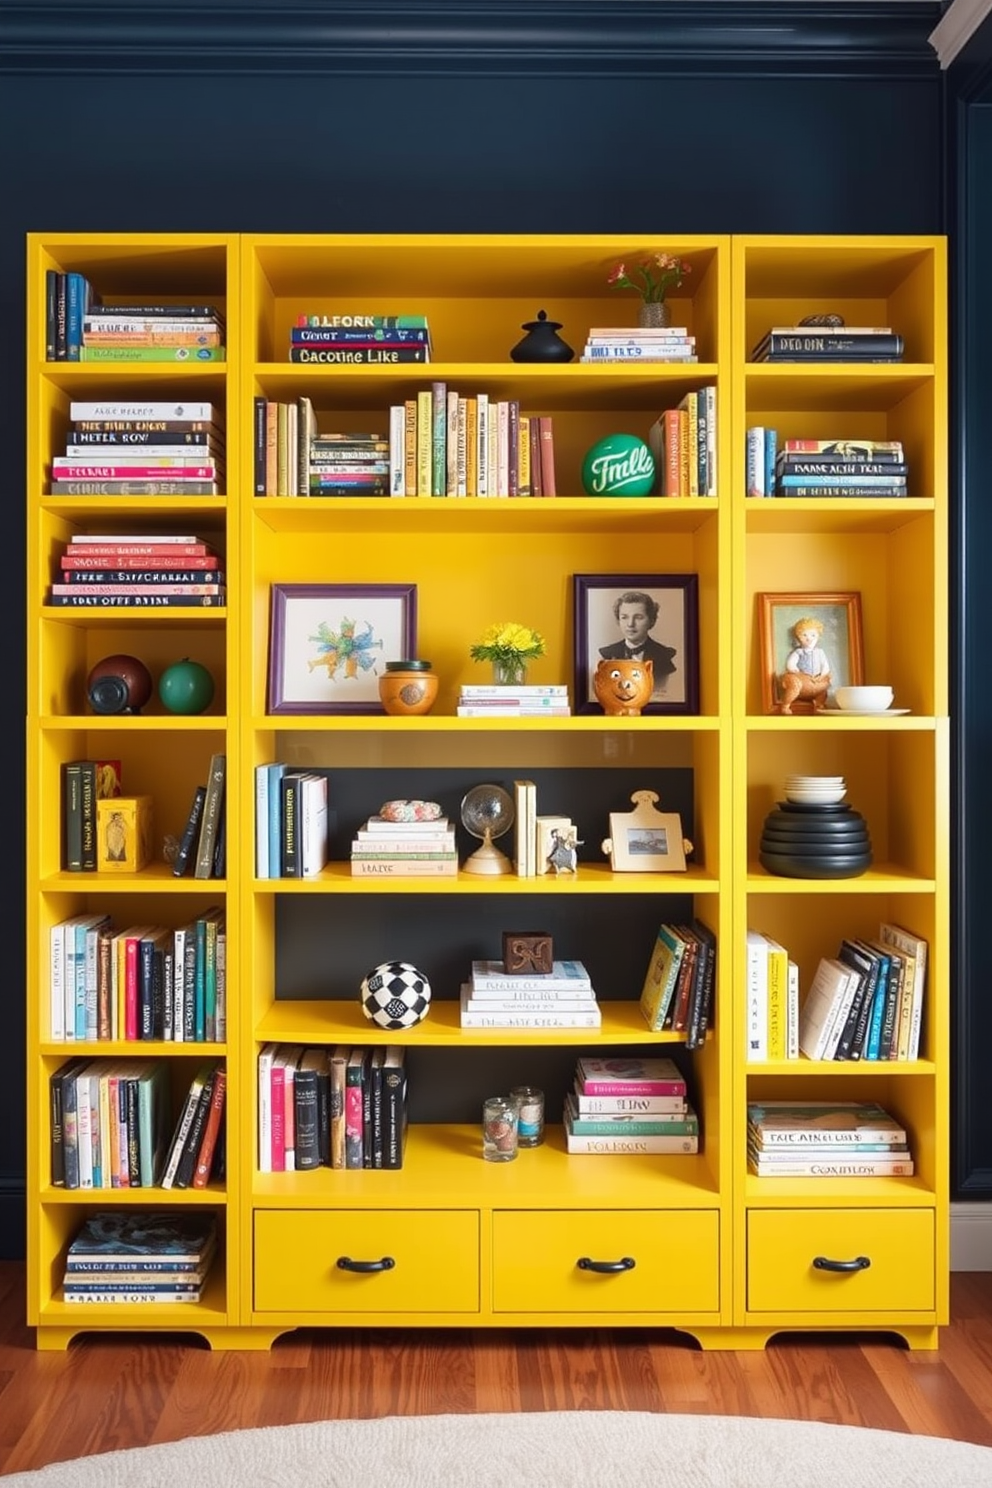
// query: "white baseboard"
[[971, 1237]]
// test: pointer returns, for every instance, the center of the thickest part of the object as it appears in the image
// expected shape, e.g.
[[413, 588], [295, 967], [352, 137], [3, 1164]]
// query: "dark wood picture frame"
[[596, 628]]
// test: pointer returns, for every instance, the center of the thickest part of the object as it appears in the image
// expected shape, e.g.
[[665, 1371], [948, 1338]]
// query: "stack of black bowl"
[[803, 839]]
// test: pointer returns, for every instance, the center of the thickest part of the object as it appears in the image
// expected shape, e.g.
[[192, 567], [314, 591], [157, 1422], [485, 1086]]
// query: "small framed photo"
[[809, 644], [329, 644], [646, 616], [645, 840]]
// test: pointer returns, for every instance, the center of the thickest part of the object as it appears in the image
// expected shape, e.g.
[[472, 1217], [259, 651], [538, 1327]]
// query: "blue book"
[[77, 303], [276, 773], [262, 821], [771, 451], [874, 1039]]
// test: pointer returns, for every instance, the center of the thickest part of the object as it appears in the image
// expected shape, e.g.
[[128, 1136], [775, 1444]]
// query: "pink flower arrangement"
[[652, 278]]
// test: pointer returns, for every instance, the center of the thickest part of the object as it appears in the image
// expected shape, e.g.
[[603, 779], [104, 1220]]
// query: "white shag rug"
[[554, 1449]]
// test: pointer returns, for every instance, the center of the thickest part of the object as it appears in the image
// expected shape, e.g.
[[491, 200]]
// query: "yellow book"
[[662, 976], [690, 404], [410, 447], [778, 1000], [425, 441], [683, 414], [524, 485]]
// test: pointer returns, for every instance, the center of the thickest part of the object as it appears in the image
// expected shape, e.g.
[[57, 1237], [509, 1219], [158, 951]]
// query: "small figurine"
[[623, 687], [807, 668], [563, 857]]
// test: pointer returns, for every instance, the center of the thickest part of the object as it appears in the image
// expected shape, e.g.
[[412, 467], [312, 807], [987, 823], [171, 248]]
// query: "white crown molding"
[[956, 27], [971, 1237]]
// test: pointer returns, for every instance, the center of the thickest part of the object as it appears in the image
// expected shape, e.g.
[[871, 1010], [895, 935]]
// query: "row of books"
[[291, 822], [203, 843], [629, 1105], [865, 1003], [684, 445], [111, 1119], [643, 344], [809, 467], [138, 982], [825, 1139], [360, 340], [388, 849], [679, 986], [526, 700], [84, 783], [338, 1107], [127, 1256], [132, 450], [560, 998], [829, 344]]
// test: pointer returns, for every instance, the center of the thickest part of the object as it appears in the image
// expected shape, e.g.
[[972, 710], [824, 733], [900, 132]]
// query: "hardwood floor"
[[110, 1392]]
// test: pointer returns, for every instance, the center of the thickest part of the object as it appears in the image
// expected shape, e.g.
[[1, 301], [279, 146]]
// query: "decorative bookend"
[[526, 952], [123, 834]]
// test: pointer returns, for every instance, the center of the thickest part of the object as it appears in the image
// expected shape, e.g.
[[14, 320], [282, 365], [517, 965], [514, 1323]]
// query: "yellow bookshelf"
[[460, 1229]]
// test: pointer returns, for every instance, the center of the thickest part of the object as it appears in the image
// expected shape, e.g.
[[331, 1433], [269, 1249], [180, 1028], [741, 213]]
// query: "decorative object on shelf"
[[410, 811], [487, 812], [619, 465], [186, 687], [527, 952], [408, 688], [542, 342], [623, 687], [815, 840], [327, 643], [830, 320], [635, 605], [500, 1119], [395, 995], [509, 647], [119, 684], [810, 644], [544, 829], [123, 834], [564, 856], [530, 1115], [645, 840], [870, 699], [652, 277]]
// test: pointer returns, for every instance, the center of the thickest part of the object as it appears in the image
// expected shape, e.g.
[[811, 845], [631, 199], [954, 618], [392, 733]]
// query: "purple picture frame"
[[595, 627], [315, 665]]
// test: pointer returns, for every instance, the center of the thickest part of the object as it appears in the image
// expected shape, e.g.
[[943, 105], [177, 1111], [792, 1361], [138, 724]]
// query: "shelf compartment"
[[828, 515], [470, 515], [592, 878]]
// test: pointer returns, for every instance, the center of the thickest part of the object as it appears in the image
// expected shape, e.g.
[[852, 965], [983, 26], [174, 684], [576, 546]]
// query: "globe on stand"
[[487, 812]]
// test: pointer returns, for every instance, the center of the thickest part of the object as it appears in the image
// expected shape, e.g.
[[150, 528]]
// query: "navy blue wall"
[[571, 116]]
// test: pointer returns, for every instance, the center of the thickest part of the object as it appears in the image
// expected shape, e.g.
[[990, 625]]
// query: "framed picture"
[[650, 616], [645, 840], [329, 644], [810, 644]]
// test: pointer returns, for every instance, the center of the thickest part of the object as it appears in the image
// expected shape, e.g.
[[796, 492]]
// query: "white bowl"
[[877, 699], [815, 782], [816, 798]]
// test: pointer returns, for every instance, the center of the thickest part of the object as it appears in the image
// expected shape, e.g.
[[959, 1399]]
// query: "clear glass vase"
[[510, 673]]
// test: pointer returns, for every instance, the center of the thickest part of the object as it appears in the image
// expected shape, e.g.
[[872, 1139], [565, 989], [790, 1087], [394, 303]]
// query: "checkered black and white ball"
[[395, 995]]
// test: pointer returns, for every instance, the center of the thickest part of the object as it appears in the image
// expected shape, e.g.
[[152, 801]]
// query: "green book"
[[153, 354]]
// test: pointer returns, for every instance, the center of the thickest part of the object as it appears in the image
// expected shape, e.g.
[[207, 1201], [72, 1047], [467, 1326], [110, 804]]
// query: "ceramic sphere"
[[619, 465], [186, 687], [119, 684]]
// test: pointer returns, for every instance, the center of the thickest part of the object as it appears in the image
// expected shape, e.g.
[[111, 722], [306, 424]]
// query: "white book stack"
[[385, 849], [561, 998], [529, 700], [639, 344]]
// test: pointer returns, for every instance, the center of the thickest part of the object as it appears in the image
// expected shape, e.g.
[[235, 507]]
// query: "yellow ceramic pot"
[[407, 688]]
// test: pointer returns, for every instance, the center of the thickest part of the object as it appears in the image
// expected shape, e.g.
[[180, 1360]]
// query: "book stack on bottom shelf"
[[629, 1105], [825, 1139], [560, 998], [144, 1257]]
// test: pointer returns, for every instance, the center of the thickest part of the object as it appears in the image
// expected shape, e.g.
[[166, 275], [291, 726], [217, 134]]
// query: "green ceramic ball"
[[186, 687], [619, 465]]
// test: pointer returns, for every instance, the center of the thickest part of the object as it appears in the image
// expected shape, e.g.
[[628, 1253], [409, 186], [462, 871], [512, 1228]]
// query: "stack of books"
[[829, 344], [153, 333], [140, 1256], [629, 1105], [528, 700], [360, 340], [639, 344], [824, 1139], [140, 449], [336, 1107], [137, 570], [560, 998], [347, 465], [865, 467], [388, 849]]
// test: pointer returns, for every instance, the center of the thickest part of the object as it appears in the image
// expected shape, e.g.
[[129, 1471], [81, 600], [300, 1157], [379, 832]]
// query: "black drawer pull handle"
[[345, 1263], [626, 1263], [822, 1263]]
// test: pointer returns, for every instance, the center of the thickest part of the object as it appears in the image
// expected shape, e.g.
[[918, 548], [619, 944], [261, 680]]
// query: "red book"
[[142, 550], [64, 469], [278, 1082], [208, 1142], [629, 1076], [154, 558], [548, 487]]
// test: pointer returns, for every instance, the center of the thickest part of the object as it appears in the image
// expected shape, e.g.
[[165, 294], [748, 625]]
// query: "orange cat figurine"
[[623, 687]]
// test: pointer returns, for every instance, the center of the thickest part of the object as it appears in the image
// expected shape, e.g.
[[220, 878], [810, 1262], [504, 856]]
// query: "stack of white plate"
[[815, 790]]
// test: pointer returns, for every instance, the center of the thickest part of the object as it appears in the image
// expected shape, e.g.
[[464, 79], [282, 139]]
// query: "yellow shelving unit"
[[477, 1244]]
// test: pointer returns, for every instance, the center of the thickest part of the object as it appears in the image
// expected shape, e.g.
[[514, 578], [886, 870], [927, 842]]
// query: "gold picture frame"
[[645, 840], [838, 615]]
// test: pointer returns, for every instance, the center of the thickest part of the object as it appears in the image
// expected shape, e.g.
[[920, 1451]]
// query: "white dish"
[[870, 712]]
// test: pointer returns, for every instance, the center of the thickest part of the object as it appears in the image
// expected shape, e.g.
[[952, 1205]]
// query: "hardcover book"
[[155, 1234], [629, 1075]]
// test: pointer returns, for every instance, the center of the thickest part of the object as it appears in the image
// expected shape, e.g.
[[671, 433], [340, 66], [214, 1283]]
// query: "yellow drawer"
[[435, 1257], [537, 1261], [783, 1244]]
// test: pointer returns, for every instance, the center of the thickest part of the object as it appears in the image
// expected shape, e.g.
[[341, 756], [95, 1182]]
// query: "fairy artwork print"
[[329, 644]]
